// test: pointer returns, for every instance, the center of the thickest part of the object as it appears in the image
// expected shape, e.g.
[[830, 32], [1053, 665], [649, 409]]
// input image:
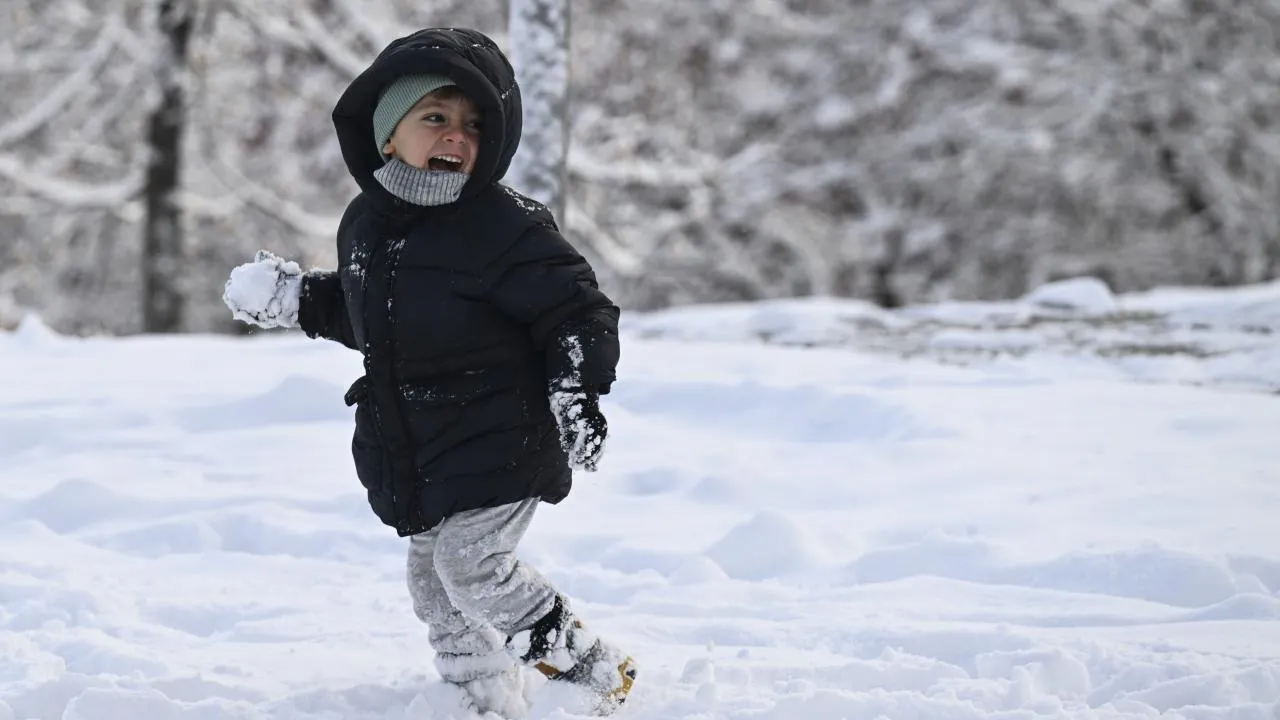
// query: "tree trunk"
[[162, 246], [539, 39]]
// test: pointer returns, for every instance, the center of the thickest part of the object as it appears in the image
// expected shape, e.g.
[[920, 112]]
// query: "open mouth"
[[452, 163]]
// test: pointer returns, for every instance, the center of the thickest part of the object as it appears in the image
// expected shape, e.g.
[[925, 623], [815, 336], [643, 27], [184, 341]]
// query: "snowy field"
[[1066, 507]]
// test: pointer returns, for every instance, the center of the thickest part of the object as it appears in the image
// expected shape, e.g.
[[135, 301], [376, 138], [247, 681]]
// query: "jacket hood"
[[474, 62]]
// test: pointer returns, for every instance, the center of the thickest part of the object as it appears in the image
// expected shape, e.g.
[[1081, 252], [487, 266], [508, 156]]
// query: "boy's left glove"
[[582, 426]]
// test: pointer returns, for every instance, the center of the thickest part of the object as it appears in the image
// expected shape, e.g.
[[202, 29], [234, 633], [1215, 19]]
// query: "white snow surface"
[[816, 527]]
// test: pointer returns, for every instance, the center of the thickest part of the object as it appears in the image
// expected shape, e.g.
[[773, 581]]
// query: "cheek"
[[413, 141], [413, 147]]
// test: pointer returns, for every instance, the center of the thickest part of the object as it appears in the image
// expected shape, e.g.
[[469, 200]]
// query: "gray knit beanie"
[[398, 98]]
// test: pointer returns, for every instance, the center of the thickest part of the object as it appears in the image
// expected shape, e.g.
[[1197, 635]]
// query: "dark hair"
[[450, 92]]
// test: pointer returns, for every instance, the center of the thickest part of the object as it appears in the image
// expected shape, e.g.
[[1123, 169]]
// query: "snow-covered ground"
[[951, 513], [1223, 338]]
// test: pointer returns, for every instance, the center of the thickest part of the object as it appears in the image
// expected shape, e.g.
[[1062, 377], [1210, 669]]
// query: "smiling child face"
[[440, 132]]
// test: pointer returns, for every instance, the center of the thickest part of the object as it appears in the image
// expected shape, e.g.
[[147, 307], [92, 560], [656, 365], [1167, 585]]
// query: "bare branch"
[[80, 145], [22, 205], [301, 31], [257, 195], [275, 29], [207, 207], [322, 41], [360, 17], [634, 172], [616, 255], [72, 194], [57, 98]]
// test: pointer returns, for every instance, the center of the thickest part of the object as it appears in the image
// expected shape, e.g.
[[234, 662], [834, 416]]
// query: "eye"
[[433, 118], [477, 125]]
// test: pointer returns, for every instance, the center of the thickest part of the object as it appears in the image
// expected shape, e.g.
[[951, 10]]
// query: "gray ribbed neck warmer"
[[419, 185]]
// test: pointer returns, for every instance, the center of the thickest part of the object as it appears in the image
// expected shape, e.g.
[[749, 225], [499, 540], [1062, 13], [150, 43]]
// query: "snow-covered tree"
[[728, 149], [907, 151], [72, 160], [539, 51], [260, 167], [162, 247]]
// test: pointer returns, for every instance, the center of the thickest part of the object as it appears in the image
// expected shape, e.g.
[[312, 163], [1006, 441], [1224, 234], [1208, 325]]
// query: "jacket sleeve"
[[542, 282], [322, 306]]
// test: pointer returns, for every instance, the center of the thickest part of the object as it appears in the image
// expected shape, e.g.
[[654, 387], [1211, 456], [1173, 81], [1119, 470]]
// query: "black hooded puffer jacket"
[[464, 312]]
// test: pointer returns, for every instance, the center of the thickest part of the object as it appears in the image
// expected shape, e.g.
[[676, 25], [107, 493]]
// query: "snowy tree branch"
[[69, 193], [590, 169], [615, 254], [249, 192], [298, 30], [341, 57], [360, 16], [57, 98]]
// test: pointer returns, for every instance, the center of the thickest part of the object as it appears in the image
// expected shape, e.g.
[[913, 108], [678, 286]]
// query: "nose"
[[455, 134]]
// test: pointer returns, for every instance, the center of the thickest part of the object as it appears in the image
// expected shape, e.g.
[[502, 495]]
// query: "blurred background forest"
[[901, 151]]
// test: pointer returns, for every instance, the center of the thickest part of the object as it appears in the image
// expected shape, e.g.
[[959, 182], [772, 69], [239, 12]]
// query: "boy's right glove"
[[582, 426], [265, 292]]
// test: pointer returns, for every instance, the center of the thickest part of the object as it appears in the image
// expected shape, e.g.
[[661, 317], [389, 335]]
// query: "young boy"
[[486, 344]]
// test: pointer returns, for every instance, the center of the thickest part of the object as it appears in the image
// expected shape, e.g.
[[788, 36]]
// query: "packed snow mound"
[[769, 545], [1082, 294], [33, 331]]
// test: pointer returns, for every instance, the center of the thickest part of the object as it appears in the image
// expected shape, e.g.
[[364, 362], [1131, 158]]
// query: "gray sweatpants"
[[472, 592]]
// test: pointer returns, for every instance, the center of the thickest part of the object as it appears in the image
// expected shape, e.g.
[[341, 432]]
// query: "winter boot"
[[560, 647]]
